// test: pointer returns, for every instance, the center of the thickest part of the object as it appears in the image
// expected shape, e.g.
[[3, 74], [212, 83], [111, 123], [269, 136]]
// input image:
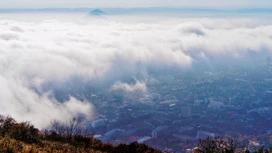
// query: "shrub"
[[20, 131], [219, 145]]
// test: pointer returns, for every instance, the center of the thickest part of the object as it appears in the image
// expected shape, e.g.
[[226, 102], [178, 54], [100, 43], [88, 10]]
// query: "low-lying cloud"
[[35, 54], [130, 88]]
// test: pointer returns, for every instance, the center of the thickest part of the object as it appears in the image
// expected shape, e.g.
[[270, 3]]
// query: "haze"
[[133, 3]]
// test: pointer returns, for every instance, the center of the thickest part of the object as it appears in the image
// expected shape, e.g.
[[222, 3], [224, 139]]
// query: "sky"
[[134, 3]]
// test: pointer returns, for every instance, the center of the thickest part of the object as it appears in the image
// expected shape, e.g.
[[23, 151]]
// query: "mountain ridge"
[[97, 12]]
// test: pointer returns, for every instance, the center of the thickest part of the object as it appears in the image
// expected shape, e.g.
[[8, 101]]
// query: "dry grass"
[[25, 138], [8, 145]]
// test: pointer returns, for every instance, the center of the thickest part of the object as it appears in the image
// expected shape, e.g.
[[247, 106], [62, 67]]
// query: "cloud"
[[24, 104], [137, 87], [36, 57], [191, 28]]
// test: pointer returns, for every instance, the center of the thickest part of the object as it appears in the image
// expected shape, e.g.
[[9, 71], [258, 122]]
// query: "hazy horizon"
[[132, 3]]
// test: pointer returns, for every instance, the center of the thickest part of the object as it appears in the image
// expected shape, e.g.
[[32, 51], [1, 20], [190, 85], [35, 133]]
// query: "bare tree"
[[72, 127], [220, 145]]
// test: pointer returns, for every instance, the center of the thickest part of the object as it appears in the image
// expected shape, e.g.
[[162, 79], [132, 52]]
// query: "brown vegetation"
[[71, 137], [65, 138]]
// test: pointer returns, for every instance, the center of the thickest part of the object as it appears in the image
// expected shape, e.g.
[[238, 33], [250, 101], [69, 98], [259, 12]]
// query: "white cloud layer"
[[33, 54]]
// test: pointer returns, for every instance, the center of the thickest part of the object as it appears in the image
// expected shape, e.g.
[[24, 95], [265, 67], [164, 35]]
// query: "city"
[[180, 109]]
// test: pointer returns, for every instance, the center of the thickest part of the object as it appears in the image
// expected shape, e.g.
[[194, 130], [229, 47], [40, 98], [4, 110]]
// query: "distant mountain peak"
[[96, 12]]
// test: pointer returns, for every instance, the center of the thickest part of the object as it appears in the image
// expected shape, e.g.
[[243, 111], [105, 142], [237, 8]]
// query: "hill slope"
[[25, 138]]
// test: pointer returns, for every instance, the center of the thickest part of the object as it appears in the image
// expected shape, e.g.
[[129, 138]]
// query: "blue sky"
[[135, 3]]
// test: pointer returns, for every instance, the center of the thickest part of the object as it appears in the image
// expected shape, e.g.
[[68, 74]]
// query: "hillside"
[[25, 138]]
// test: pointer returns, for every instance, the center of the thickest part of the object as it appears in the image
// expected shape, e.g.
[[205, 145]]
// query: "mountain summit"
[[96, 12]]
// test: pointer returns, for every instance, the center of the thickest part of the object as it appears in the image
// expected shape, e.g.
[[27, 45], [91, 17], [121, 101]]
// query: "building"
[[156, 132], [186, 111], [143, 139], [99, 123], [204, 135], [215, 104]]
